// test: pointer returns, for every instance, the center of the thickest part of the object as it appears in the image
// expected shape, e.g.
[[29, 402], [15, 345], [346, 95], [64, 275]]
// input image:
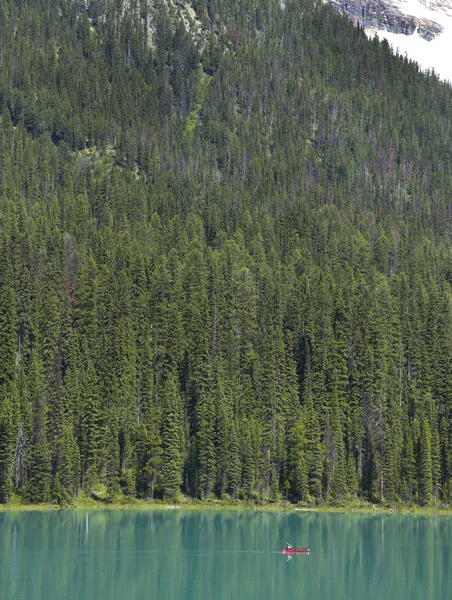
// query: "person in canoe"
[[288, 546]]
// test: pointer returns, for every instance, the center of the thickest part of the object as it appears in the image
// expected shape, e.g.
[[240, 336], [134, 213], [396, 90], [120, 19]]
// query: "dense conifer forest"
[[225, 256]]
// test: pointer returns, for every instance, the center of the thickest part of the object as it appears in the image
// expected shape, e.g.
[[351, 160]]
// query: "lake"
[[222, 555]]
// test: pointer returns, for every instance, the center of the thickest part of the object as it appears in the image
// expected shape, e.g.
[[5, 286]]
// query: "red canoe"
[[296, 551]]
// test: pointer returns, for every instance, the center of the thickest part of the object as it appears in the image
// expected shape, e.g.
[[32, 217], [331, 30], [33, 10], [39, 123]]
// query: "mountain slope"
[[225, 256]]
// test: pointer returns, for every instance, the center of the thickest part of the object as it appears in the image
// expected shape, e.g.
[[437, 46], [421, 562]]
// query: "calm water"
[[175, 555]]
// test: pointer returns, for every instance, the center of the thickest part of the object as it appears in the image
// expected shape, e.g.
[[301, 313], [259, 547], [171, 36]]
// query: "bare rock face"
[[386, 15]]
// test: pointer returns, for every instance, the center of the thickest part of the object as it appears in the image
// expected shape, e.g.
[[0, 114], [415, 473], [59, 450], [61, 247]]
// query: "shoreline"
[[361, 508]]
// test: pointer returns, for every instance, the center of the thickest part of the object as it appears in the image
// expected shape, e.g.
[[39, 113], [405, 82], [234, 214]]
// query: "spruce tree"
[[8, 434], [90, 429], [172, 440], [299, 462], [67, 474], [436, 466], [425, 465], [206, 446]]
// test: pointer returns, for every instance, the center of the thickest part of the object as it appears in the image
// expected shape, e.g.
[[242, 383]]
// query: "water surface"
[[206, 555]]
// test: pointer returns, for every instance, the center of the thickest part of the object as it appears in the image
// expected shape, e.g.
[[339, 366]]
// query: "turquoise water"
[[180, 555]]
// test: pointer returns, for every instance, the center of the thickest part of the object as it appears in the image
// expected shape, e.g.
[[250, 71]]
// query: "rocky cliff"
[[387, 15]]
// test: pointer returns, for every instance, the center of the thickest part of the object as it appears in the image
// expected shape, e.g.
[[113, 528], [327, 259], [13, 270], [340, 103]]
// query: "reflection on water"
[[126, 555]]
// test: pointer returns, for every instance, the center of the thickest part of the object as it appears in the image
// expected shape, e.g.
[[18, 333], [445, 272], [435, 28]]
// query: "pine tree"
[[335, 472], [172, 440], [248, 461], [224, 437], [425, 465], [206, 446], [436, 465], [444, 457], [154, 456], [8, 429], [90, 429], [234, 464], [299, 462], [8, 358], [315, 447], [39, 471], [67, 473], [38, 457], [8, 320]]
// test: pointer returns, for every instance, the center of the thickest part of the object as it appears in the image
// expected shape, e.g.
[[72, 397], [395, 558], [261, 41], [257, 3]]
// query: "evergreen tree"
[[67, 473], [299, 462], [90, 436], [206, 447], [425, 465], [172, 440], [436, 466], [8, 428]]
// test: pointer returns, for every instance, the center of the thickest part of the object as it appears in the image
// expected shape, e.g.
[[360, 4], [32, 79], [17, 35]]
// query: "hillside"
[[225, 256]]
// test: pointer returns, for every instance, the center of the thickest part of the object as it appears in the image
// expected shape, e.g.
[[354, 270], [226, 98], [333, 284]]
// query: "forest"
[[225, 257]]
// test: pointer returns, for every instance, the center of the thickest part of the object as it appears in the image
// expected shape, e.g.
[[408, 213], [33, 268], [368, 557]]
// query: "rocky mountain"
[[421, 29], [387, 15]]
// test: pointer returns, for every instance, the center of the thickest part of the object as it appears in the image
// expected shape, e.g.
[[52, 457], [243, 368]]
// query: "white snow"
[[436, 54]]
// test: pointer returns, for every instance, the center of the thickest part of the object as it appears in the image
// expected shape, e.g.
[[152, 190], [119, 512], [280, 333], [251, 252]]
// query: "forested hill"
[[225, 256]]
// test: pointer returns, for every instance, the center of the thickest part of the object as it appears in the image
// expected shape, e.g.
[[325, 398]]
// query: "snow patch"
[[436, 54]]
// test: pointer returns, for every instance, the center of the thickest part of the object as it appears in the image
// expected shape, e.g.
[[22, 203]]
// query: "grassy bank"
[[85, 503]]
